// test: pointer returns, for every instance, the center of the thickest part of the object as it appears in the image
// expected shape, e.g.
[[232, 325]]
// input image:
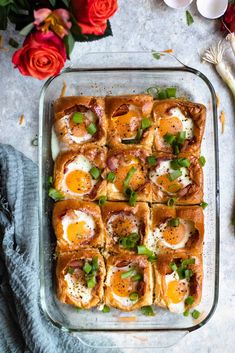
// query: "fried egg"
[[77, 287], [77, 226], [137, 179], [171, 237], [78, 131], [77, 179], [121, 287], [159, 176], [177, 290], [127, 125], [176, 123], [121, 225]]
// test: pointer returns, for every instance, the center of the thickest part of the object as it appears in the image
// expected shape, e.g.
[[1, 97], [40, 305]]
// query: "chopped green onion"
[[133, 198], [189, 300], [106, 309], [196, 314], [128, 274], [130, 241], [156, 55], [174, 222], [168, 138], [143, 250], [186, 312], [87, 267], [13, 43], [91, 129], [95, 172], [134, 296], [171, 92], [70, 270], [147, 310], [187, 262], [55, 194], [189, 18], [151, 160], [181, 273], [181, 136], [91, 282], [78, 118], [145, 123], [188, 274], [95, 264], [139, 135], [180, 162], [174, 175], [176, 149], [171, 202], [152, 91], [152, 258], [128, 177], [49, 180], [202, 161], [102, 200], [137, 277], [162, 94], [111, 177], [204, 205], [173, 266]]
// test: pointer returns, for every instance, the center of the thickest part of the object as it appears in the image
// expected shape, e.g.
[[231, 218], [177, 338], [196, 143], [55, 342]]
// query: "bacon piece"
[[122, 110], [123, 263]]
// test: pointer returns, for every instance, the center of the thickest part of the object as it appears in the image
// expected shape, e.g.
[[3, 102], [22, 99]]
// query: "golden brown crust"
[[191, 194], [116, 106], [162, 213], [76, 260], [140, 212], [196, 111], [116, 158], [144, 286], [67, 207], [162, 268], [66, 106], [96, 156]]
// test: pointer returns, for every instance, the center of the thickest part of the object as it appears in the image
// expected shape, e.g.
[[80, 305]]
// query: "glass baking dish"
[[123, 73]]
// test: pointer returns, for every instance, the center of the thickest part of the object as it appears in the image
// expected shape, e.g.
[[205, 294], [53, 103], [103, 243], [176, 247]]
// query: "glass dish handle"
[[135, 340], [140, 59]]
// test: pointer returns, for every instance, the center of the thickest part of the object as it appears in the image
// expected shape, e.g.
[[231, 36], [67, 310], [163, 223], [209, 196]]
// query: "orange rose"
[[92, 15], [42, 55]]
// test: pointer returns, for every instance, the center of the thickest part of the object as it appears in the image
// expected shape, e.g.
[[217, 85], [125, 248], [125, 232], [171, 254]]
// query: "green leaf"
[[189, 18], [52, 2], [147, 310], [79, 37], [25, 31], [69, 44], [13, 43], [156, 55], [3, 18]]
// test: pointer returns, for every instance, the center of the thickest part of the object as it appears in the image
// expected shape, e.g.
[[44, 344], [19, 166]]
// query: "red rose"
[[229, 18], [42, 55], [92, 15]]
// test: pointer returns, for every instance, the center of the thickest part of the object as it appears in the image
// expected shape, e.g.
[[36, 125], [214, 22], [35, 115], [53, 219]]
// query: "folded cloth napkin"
[[23, 326]]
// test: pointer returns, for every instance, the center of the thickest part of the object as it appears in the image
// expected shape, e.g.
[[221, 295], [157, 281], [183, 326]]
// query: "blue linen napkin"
[[23, 326]]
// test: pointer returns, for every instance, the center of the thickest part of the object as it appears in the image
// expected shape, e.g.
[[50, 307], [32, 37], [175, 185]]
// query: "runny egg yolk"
[[122, 226], [174, 235], [168, 185], [127, 125], [77, 232], [122, 286], [137, 179], [171, 125], [176, 291], [78, 181]]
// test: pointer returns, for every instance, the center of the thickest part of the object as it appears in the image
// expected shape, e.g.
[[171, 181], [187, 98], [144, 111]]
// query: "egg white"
[[79, 139], [165, 168], [80, 217], [77, 289], [135, 228], [179, 307], [156, 236], [122, 300], [187, 122], [79, 163]]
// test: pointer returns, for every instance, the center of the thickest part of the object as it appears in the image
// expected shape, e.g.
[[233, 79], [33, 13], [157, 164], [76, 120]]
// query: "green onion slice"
[[143, 250], [87, 267], [196, 314], [91, 129], [168, 138], [95, 172], [173, 266], [137, 277], [133, 198], [134, 296], [70, 270], [171, 92], [204, 205], [130, 241], [106, 309], [95, 264], [187, 262], [128, 177], [186, 312], [171, 202], [152, 91], [174, 222], [102, 200], [147, 310], [202, 161], [55, 194], [111, 177], [128, 274], [175, 175], [78, 118], [145, 123], [152, 160], [189, 300]]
